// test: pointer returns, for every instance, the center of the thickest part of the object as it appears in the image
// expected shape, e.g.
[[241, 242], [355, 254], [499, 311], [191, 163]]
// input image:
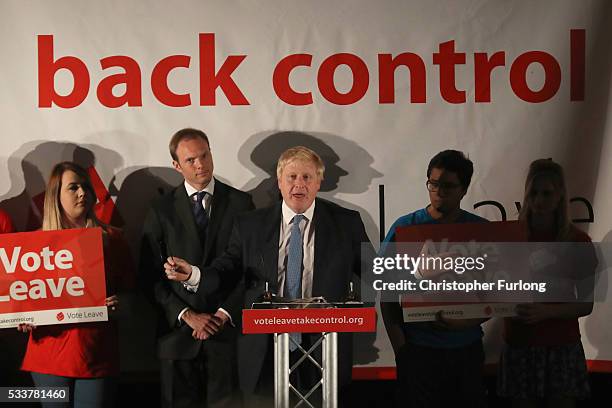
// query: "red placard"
[[49, 277], [257, 321], [503, 231]]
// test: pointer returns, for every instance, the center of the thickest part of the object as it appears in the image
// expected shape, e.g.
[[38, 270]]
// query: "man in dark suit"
[[197, 343], [262, 249]]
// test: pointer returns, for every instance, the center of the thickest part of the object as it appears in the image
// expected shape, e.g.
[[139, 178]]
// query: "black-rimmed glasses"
[[434, 186]]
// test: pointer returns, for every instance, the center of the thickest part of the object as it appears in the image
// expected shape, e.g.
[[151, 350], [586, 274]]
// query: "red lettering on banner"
[[280, 79], [131, 78], [386, 77], [210, 81], [361, 79], [483, 66], [447, 58], [211, 78], [518, 76], [47, 68], [31, 261], [159, 81], [577, 64], [37, 289]]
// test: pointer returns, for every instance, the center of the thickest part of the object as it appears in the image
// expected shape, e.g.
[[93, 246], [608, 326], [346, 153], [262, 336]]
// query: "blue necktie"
[[295, 256], [199, 213]]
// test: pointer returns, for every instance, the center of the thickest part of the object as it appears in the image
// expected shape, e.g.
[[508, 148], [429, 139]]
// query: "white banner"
[[377, 88]]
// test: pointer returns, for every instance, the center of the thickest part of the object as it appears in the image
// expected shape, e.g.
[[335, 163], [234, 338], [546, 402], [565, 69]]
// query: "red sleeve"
[[578, 235], [6, 225]]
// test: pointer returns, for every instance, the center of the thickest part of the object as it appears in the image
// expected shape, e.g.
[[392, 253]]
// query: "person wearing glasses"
[[438, 363]]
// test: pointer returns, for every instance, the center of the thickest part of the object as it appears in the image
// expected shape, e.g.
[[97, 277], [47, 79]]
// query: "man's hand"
[[204, 325], [203, 335], [223, 317], [25, 327], [177, 269]]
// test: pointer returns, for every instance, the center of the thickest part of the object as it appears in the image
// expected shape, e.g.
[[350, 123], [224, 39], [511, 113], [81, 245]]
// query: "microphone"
[[267, 296], [352, 296]]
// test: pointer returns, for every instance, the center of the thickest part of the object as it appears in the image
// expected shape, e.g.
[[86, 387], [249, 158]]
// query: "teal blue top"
[[423, 333]]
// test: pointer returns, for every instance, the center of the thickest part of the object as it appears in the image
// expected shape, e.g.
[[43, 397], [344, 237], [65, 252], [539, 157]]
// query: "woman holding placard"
[[543, 363], [82, 356]]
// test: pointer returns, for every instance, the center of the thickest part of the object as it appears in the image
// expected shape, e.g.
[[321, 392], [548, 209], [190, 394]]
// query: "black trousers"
[[208, 381], [436, 377]]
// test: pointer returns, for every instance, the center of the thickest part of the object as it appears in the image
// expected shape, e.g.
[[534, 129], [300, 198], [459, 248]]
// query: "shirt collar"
[[288, 213], [210, 188]]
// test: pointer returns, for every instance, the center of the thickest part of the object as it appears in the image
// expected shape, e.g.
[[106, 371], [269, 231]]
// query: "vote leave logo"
[[51, 270], [60, 316]]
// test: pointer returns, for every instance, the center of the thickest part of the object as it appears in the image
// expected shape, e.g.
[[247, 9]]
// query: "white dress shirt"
[[193, 282], [308, 234]]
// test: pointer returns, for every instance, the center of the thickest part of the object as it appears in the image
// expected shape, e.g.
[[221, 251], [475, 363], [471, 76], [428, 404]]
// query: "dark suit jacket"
[[251, 260], [170, 221]]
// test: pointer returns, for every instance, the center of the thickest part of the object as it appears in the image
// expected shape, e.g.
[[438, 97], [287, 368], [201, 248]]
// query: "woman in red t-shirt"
[[81, 356], [543, 362]]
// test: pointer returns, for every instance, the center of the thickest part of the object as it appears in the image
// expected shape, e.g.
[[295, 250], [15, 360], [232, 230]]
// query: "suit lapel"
[[323, 246], [185, 213], [219, 204], [268, 253]]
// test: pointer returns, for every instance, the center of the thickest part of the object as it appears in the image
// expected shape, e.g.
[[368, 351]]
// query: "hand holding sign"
[[111, 303], [25, 327]]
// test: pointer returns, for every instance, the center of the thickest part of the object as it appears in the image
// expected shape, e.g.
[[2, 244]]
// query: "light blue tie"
[[295, 255]]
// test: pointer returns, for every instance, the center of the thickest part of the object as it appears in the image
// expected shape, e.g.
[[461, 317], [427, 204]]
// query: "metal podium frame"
[[329, 370], [355, 318]]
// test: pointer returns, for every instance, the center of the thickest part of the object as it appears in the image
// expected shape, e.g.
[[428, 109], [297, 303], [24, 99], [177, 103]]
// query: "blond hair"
[[300, 153], [548, 170], [53, 213]]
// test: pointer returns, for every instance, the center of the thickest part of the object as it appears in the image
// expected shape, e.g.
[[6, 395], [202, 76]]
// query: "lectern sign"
[[255, 321]]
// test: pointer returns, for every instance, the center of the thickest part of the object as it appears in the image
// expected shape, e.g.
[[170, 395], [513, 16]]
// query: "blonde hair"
[[553, 172], [53, 213], [303, 154]]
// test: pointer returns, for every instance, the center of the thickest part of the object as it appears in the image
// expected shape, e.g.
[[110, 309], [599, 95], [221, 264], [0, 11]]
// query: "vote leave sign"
[[52, 277]]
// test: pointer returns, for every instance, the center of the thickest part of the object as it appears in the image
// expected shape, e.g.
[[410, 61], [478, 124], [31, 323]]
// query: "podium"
[[329, 319]]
